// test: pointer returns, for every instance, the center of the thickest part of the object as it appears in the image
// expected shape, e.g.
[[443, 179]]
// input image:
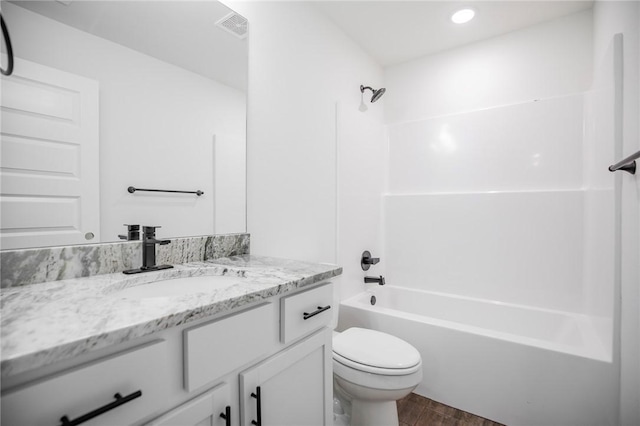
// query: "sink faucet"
[[149, 242], [149, 248], [379, 280]]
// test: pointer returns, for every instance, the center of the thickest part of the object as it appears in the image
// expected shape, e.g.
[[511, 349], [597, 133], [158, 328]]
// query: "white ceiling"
[[393, 32], [182, 33]]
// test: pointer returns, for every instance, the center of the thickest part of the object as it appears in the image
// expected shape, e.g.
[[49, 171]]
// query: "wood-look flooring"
[[416, 410]]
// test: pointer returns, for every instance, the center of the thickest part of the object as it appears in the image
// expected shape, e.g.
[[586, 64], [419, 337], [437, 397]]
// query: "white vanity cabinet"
[[201, 374], [291, 388], [294, 386]]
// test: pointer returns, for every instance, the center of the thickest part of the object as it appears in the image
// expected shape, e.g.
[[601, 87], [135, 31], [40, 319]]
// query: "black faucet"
[[149, 242], [379, 280], [133, 233], [367, 260]]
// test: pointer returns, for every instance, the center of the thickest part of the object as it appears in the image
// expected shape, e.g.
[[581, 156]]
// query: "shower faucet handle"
[[366, 261]]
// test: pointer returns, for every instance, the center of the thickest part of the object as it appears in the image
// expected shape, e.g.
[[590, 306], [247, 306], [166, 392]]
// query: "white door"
[[49, 179]]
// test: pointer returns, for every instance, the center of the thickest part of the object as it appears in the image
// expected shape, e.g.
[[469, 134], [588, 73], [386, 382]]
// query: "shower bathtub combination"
[[510, 363], [497, 247]]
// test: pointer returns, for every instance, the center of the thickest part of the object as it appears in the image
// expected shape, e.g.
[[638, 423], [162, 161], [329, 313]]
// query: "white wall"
[[157, 125], [611, 17], [304, 81], [362, 174], [542, 61]]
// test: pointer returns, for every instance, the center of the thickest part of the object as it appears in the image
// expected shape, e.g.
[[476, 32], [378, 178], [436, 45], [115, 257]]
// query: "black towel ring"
[[7, 42]]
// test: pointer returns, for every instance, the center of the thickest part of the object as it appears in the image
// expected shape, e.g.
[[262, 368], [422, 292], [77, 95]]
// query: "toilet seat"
[[375, 370], [375, 352]]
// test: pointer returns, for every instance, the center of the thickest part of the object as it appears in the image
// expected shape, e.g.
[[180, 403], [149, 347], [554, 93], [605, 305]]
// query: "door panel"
[[49, 158]]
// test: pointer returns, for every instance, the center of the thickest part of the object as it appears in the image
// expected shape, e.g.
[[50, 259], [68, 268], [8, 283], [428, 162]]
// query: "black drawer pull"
[[227, 415], [259, 408], [95, 413], [321, 309]]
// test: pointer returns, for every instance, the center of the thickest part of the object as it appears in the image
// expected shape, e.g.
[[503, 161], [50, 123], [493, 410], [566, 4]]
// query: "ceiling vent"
[[235, 24]]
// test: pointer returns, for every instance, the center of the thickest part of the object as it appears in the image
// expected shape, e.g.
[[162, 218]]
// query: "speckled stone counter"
[[53, 321]]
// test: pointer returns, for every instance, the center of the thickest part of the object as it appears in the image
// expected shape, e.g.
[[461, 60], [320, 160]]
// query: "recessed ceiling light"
[[463, 16]]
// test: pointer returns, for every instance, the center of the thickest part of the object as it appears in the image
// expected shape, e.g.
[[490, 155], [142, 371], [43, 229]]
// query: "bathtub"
[[514, 364]]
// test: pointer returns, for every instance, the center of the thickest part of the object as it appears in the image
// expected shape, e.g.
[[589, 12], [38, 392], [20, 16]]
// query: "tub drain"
[[373, 300]]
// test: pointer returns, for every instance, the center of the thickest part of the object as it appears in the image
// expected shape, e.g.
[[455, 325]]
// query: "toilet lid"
[[375, 349]]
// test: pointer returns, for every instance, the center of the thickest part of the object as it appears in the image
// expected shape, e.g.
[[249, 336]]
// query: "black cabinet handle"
[[257, 397], [98, 411], [321, 309], [227, 415]]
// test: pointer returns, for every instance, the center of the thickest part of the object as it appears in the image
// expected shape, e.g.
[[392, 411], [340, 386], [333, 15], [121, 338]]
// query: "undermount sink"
[[179, 286]]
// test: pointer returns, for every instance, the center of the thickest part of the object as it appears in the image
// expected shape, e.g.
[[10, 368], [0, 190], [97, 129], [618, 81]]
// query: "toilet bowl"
[[372, 370]]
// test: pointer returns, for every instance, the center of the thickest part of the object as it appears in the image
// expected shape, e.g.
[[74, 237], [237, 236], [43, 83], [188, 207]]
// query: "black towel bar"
[[628, 164], [132, 189]]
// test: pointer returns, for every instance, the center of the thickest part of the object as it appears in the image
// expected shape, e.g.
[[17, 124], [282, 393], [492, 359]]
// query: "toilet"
[[371, 371]]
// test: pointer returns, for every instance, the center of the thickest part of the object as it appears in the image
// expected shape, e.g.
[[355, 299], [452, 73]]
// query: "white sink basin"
[[179, 286]]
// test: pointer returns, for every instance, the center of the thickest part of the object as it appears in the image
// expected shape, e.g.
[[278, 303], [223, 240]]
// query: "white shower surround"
[[499, 227], [491, 204], [502, 275]]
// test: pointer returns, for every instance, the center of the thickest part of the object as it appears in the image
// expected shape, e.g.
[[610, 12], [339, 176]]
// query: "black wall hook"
[[7, 42]]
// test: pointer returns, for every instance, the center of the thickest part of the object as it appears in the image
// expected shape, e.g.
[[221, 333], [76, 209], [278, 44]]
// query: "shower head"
[[377, 94]]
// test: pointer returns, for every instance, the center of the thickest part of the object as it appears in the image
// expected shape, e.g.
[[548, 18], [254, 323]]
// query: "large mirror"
[[112, 95]]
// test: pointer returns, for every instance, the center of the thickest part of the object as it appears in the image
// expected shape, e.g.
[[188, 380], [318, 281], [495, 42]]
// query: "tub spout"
[[379, 280]]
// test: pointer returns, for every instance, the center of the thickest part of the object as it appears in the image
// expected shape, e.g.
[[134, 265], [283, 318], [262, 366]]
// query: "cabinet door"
[[292, 388], [207, 409]]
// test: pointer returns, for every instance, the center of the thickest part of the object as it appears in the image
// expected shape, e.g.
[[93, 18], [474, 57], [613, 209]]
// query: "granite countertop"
[[54, 321]]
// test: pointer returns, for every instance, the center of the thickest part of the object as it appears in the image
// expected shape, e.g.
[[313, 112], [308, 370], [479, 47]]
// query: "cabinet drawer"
[[217, 348], [82, 390], [304, 312]]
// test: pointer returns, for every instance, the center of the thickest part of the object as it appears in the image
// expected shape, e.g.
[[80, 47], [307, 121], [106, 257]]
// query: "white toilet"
[[371, 370]]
